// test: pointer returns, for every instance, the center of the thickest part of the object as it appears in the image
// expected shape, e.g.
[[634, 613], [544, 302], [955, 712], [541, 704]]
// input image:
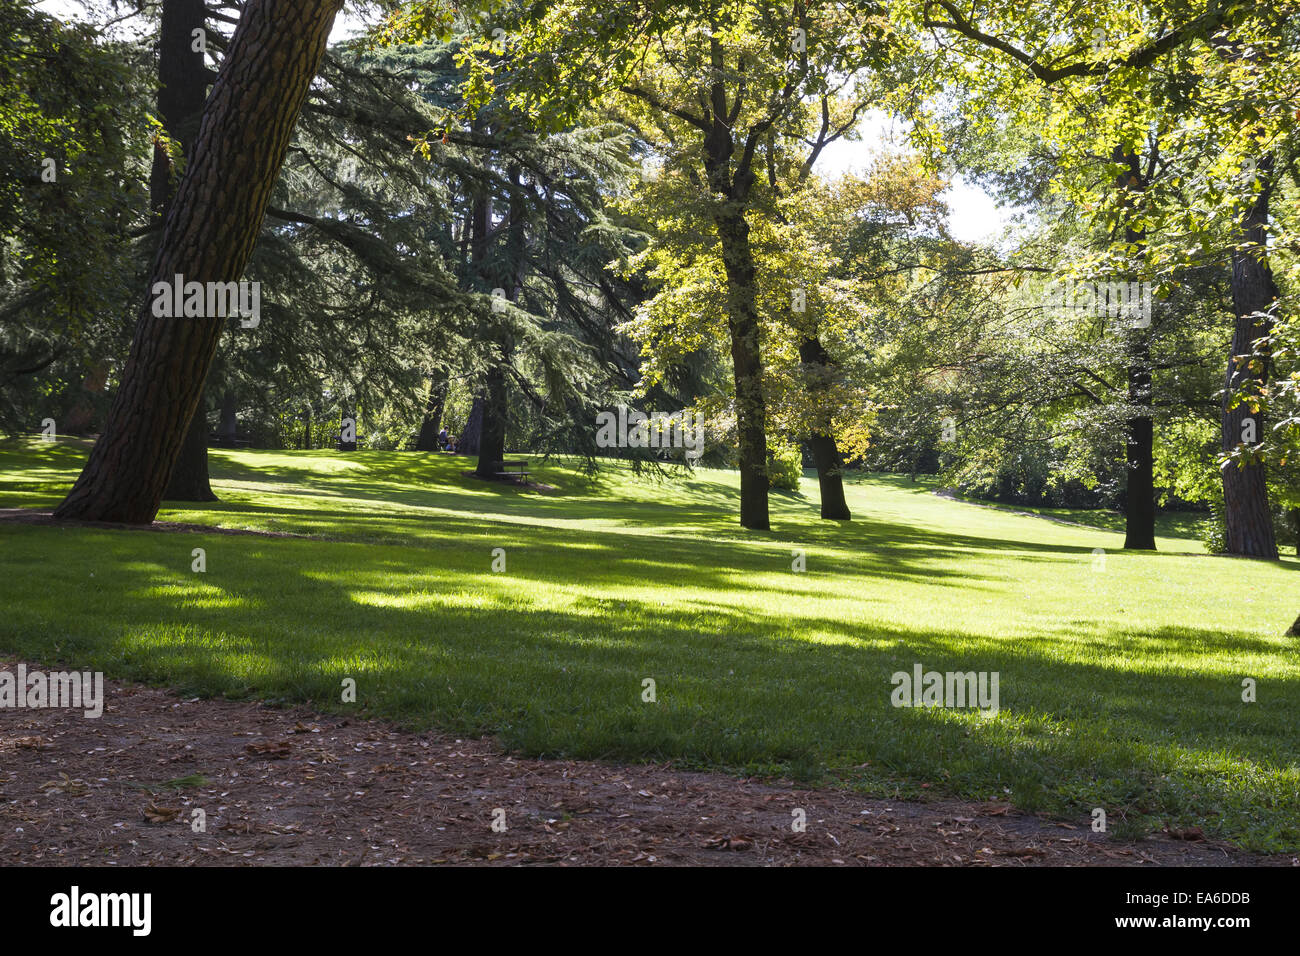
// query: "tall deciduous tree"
[[709, 84], [1107, 56], [1279, 398]]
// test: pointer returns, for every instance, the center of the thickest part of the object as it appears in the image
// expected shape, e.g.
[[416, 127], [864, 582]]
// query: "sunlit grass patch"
[[1120, 681]]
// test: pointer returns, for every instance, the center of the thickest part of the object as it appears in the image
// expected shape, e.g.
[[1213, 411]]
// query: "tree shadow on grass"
[[883, 549], [472, 653]]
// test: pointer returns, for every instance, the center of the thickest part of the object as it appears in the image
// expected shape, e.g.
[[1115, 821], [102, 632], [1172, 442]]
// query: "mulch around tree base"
[[288, 786]]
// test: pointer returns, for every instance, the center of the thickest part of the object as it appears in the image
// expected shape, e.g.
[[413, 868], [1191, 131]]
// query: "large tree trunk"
[[189, 479], [469, 438], [209, 234], [826, 456], [432, 423], [492, 431], [747, 364], [182, 90], [1245, 490]]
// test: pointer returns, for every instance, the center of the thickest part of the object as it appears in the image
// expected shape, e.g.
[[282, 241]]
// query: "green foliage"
[[1214, 529], [74, 136], [784, 465], [1185, 451]]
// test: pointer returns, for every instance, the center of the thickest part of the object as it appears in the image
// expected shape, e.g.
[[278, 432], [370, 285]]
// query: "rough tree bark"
[[826, 456], [208, 236], [182, 90], [1245, 490]]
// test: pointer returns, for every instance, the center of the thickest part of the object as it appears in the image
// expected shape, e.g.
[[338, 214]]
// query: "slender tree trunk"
[[228, 421], [489, 440], [1140, 492], [492, 439], [826, 456], [432, 423], [747, 364], [1139, 451], [731, 184], [1245, 489], [182, 90], [210, 231]]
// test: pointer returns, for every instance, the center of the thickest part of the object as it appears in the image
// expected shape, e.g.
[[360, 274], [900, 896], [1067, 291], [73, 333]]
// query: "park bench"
[[513, 469]]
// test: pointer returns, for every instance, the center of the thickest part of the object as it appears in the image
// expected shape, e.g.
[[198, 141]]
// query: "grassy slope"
[[1120, 688]]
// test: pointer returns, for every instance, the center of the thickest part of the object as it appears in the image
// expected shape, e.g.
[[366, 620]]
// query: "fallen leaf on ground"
[[728, 843], [156, 814], [271, 749]]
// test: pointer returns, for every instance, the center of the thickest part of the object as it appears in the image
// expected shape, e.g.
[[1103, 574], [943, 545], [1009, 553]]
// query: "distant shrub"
[[784, 466], [1214, 529]]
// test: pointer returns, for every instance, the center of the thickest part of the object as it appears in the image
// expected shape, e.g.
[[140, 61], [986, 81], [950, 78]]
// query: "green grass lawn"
[[1120, 675]]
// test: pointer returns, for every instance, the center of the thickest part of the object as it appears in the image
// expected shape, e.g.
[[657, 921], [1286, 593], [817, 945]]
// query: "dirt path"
[[292, 787]]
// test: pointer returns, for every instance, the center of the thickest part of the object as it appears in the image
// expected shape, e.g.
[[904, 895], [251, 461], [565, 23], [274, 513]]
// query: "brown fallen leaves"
[[291, 787], [270, 749], [156, 814], [729, 843], [65, 784]]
